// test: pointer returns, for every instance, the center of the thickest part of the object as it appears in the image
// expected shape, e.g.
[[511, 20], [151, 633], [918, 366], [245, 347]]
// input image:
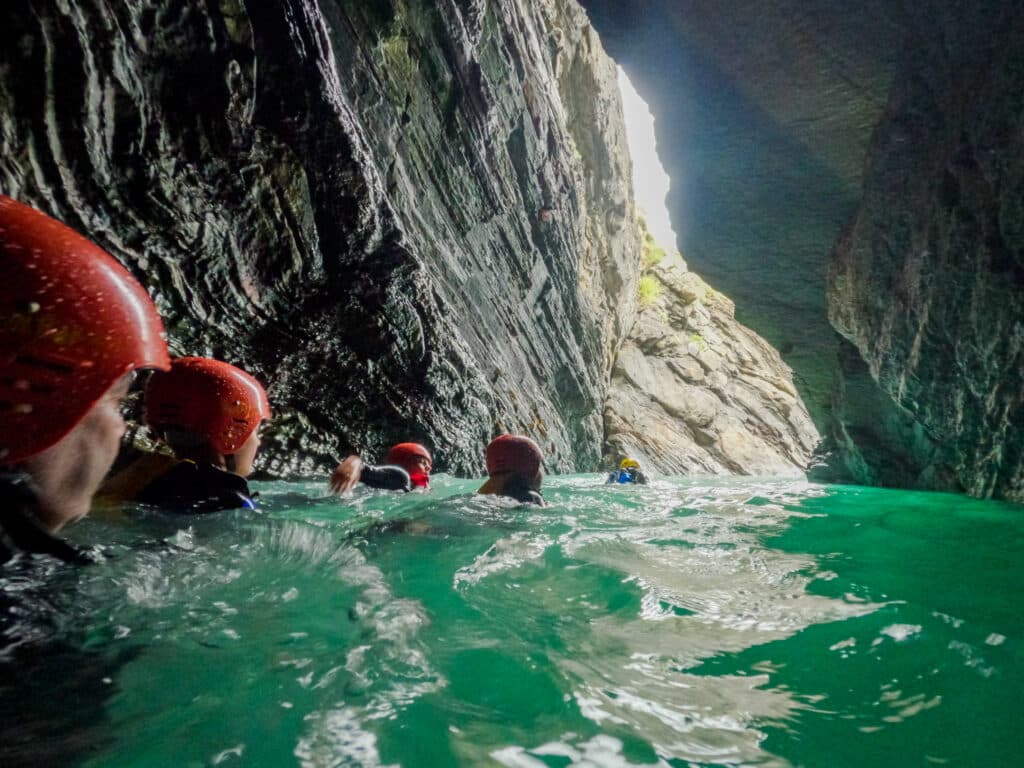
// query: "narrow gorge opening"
[[651, 183], [693, 391]]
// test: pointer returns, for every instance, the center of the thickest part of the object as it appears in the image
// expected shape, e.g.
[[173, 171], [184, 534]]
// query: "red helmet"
[[405, 455], [513, 454], [208, 398], [72, 322]]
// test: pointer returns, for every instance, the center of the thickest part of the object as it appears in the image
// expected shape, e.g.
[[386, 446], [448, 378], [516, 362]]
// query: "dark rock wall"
[[929, 281], [411, 219], [891, 133], [875, 441]]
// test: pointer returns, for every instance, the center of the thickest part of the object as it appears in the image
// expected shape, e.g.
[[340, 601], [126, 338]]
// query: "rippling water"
[[726, 622]]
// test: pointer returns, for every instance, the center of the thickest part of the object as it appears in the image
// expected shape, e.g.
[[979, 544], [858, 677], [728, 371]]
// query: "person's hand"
[[346, 475]]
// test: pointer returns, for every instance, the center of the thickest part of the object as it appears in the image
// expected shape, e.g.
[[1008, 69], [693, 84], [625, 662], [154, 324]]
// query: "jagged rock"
[[371, 205], [782, 124], [687, 368], [875, 441], [928, 281], [722, 410], [763, 112]]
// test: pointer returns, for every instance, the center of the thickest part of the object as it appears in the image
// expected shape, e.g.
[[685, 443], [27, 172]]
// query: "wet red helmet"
[[73, 321], [208, 398], [405, 455], [513, 454]]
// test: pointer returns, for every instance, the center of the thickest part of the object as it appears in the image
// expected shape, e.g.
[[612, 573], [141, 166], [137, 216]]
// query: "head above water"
[[628, 463], [74, 324], [414, 459], [514, 455], [203, 403]]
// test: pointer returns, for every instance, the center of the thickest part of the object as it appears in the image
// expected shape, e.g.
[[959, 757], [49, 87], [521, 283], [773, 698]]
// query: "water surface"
[[721, 622]]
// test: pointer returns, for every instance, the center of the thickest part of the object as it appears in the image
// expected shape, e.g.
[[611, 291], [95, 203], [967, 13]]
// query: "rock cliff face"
[[928, 282], [695, 392], [412, 218], [856, 169], [764, 111]]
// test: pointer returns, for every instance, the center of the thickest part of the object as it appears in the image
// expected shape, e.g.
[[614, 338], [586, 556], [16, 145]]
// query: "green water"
[[727, 622]]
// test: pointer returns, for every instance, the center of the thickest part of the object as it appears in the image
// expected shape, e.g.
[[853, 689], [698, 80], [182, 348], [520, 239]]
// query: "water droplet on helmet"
[[23, 408], [22, 384], [33, 307]]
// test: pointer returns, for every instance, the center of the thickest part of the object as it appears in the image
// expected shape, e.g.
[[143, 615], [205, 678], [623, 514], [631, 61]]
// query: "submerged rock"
[[695, 392]]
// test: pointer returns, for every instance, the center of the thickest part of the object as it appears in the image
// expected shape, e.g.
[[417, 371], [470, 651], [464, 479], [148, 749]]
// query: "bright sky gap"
[[650, 182]]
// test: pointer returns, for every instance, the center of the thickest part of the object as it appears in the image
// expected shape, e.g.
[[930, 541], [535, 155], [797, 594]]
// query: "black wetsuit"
[[53, 692], [192, 487], [520, 490], [387, 477], [19, 531]]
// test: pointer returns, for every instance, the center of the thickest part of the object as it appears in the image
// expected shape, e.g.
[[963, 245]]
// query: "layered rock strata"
[[695, 392], [412, 219]]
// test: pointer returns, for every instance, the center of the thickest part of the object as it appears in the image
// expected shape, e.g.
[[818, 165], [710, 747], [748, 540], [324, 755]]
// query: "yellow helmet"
[[629, 464]]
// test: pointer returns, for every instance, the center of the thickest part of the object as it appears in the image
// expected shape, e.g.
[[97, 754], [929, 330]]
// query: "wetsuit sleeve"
[[641, 478], [387, 478]]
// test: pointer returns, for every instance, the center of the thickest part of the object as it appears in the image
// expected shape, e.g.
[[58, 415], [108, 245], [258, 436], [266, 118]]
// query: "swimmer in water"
[[74, 326], [406, 468], [629, 472], [514, 468], [208, 412]]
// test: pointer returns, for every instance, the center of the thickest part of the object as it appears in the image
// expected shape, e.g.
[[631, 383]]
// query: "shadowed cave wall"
[[857, 170]]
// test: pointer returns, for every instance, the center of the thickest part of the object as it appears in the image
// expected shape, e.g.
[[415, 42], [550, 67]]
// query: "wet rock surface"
[[856, 170], [695, 392], [928, 282], [872, 440], [763, 114], [413, 220]]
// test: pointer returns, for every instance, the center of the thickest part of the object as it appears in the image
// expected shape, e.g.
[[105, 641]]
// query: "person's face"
[[246, 454], [70, 472], [420, 464]]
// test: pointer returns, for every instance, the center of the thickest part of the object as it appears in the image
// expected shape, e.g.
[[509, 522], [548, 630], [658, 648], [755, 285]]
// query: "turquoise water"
[[723, 622]]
